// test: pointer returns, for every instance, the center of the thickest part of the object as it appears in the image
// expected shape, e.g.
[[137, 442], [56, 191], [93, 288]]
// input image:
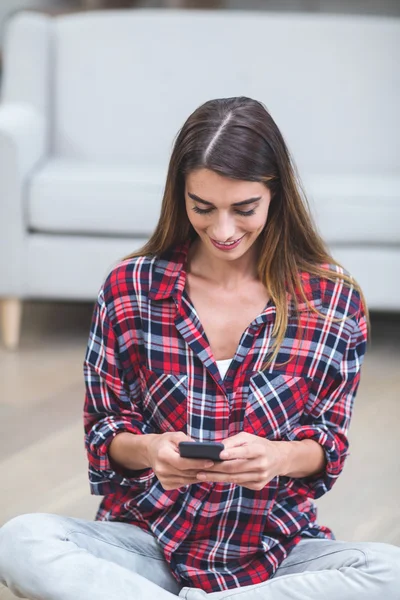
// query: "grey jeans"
[[51, 557]]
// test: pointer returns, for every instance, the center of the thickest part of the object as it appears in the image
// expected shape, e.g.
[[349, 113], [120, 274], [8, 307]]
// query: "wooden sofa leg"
[[11, 317]]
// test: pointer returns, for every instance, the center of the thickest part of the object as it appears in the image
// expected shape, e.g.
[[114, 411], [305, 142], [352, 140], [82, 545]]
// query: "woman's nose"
[[223, 229]]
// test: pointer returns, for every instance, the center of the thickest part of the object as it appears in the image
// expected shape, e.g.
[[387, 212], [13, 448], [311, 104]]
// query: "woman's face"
[[227, 214]]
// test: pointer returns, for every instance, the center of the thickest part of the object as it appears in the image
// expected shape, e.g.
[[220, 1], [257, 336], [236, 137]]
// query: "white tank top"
[[223, 366]]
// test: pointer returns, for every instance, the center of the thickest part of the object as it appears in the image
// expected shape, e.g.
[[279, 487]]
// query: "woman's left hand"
[[247, 460]]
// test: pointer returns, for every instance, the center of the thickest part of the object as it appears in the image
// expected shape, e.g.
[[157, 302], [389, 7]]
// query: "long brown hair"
[[237, 138]]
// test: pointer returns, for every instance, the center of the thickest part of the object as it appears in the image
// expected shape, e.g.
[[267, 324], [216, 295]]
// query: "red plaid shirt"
[[149, 369]]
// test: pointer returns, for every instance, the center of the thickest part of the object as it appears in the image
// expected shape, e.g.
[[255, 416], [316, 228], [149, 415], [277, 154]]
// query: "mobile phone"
[[208, 450]]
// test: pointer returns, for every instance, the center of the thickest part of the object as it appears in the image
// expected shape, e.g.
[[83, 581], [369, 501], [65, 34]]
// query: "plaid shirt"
[[149, 369]]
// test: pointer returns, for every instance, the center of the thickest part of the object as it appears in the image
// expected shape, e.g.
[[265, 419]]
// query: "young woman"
[[233, 324]]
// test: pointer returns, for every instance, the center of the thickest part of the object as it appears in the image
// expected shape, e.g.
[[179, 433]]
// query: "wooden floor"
[[42, 457]]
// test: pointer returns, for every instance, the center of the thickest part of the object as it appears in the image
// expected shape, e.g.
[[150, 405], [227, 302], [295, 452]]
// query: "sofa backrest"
[[121, 83]]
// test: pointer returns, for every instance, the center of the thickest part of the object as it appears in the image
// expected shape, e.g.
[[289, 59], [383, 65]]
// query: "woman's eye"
[[202, 211], [246, 213], [206, 211]]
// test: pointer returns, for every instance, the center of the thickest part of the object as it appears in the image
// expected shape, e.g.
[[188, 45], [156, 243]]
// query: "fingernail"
[[208, 465]]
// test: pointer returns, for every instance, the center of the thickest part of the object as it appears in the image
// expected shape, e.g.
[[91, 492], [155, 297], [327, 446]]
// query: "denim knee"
[[18, 535], [386, 559]]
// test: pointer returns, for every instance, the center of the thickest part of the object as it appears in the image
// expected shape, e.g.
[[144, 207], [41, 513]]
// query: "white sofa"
[[91, 103]]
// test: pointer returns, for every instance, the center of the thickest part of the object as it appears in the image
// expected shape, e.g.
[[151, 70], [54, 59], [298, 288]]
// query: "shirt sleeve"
[[327, 416], [111, 407]]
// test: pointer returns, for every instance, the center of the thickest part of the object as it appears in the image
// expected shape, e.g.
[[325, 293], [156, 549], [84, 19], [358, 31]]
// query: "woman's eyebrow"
[[241, 203]]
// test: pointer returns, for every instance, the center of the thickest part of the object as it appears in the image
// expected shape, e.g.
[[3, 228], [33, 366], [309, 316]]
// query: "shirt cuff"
[[315, 486], [104, 476]]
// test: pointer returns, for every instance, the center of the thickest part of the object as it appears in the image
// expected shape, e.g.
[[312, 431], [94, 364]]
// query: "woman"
[[233, 324]]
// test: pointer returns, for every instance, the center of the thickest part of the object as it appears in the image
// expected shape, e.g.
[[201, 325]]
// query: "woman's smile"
[[227, 245]]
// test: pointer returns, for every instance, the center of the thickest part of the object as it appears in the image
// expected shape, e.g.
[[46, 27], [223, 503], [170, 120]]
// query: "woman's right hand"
[[171, 469]]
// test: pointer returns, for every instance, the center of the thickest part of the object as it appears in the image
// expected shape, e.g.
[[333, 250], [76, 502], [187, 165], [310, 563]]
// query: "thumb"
[[179, 436], [234, 441]]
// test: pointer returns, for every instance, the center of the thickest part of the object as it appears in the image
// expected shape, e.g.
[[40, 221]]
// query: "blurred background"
[[92, 94]]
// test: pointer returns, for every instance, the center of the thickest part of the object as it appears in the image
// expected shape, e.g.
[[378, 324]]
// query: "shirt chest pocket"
[[164, 400], [275, 404]]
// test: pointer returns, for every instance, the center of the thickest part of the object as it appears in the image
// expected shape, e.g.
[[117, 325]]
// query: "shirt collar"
[[169, 275], [312, 290]]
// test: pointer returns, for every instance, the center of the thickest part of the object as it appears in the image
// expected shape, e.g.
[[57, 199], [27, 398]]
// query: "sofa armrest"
[[23, 145], [22, 137]]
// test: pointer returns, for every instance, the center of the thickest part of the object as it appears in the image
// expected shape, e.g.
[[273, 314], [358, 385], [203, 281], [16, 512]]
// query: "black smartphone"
[[210, 450]]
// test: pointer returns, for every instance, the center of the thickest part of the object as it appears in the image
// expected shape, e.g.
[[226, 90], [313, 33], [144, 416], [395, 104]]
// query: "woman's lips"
[[227, 247]]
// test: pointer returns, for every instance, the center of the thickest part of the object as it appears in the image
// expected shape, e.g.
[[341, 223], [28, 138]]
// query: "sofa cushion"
[[117, 200], [330, 82], [355, 209], [74, 197]]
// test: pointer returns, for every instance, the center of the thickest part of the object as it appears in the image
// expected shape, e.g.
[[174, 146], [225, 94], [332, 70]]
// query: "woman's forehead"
[[211, 186]]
